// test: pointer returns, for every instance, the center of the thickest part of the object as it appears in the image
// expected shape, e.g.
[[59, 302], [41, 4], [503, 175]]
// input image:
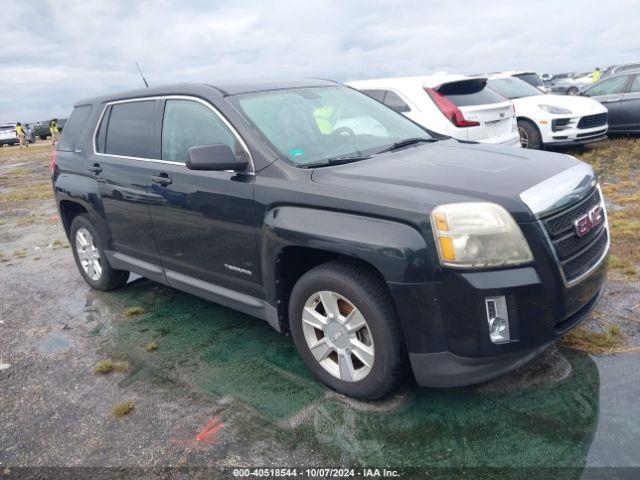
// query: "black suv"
[[330, 216]]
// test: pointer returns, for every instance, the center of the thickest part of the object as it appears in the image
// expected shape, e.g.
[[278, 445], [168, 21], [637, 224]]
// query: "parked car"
[[43, 130], [370, 247], [8, 135], [572, 85], [532, 78], [453, 105], [620, 94], [621, 68], [551, 120]]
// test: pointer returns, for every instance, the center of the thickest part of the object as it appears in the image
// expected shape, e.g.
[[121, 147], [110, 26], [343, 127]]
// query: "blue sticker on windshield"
[[298, 152]]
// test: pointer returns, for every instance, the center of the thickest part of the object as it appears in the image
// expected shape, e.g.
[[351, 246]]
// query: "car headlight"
[[555, 110], [478, 235]]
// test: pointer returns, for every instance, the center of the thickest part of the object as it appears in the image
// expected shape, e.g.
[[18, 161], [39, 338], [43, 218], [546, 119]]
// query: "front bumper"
[[445, 325]]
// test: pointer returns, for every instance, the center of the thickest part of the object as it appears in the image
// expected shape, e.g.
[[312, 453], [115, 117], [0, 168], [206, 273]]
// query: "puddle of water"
[[210, 350], [54, 344]]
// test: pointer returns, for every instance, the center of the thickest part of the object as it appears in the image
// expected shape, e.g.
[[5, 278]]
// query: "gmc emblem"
[[588, 222]]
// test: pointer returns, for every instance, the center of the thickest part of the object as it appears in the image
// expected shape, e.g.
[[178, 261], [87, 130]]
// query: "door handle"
[[162, 179], [95, 168]]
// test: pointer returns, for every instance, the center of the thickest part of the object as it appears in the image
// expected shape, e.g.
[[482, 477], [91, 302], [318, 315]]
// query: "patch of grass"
[[108, 366], [151, 347], [608, 341], [28, 220], [121, 409], [134, 311], [26, 193], [20, 253]]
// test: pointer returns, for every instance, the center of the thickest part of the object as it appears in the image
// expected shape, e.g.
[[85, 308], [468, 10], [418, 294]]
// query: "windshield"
[[309, 125], [513, 88], [530, 78]]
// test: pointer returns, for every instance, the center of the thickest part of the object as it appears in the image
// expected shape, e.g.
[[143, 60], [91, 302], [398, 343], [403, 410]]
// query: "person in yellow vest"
[[22, 136], [596, 75], [55, 132]]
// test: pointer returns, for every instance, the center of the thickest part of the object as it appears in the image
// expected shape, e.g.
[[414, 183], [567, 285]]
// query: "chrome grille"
[[577, 254]]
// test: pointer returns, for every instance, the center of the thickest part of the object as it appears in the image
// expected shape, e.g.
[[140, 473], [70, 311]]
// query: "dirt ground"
[[147, 377]]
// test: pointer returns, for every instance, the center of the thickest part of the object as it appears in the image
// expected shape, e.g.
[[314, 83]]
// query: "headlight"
[[478, 235], [555, 110]]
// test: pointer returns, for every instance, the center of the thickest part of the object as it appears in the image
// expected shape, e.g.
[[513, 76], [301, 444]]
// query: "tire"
[[529, 135], [375, 351], [573, 91], [108, 278]]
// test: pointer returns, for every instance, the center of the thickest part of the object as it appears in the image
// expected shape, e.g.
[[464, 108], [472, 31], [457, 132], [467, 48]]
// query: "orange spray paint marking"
[[212, 427]]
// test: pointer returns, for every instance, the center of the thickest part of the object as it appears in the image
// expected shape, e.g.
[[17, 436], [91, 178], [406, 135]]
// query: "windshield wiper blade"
[[339, 160], [406, 142]]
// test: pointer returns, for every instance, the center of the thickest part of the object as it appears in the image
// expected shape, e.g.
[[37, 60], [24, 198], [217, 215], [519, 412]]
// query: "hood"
[[578, 105], [449, 171]]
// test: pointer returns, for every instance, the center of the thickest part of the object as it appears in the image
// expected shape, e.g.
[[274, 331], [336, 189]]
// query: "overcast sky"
[[54, 52]]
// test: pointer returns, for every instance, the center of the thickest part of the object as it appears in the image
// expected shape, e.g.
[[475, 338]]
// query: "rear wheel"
[[90, 257], [529, 135], [572, 91], [345, 329]]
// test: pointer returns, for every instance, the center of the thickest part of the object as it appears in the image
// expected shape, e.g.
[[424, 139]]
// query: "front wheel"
[[90, 257], [345, 329], [572, 91], [529, 135]]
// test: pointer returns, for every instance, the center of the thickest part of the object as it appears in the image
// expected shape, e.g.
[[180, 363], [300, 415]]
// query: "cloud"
[[55, 52]]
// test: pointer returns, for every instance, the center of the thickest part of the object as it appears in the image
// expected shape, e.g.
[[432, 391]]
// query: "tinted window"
[[102, 130], [470, 92], [189, 124], [375, 94], [531, 79], [608, 87], [635, 85], [130, 129], [394, 101], [73, 128]]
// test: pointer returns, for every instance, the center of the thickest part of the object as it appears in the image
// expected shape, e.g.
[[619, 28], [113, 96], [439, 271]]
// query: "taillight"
[[449, 109], [52, 165]]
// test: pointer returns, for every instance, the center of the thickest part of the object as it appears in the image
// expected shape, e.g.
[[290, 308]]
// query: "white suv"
[[454, 105], [551, 120]]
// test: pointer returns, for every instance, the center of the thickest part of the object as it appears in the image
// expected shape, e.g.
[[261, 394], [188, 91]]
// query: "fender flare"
[[396, 250]]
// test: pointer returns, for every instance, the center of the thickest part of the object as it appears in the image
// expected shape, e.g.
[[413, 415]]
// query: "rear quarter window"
[[130, 129], [470, 92], [73, 128]]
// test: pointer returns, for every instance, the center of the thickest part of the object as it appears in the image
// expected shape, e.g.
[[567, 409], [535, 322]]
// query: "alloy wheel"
[[338, 336], [88, 254], [524, 137]]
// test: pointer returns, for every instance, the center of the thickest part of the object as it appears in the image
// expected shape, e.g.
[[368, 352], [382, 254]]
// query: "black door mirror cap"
[[216, 157]]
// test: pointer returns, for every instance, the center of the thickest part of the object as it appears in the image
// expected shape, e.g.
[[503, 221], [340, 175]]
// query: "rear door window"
[[609, 86], [635, 85], [187, 124], [74, 128], [130, 129], [468, 93]]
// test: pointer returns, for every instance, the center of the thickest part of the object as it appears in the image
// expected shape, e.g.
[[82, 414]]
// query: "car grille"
[[577, 254], [592, 121]]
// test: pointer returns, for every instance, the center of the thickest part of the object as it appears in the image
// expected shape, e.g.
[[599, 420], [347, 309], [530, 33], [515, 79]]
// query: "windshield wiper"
[[338, 160], [406, 142]]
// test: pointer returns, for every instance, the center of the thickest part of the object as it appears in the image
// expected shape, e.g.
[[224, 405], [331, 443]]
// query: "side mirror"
[[216, 157]]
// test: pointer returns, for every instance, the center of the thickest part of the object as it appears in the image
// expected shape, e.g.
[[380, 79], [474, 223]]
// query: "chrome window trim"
[[596, 264], [250, 171]]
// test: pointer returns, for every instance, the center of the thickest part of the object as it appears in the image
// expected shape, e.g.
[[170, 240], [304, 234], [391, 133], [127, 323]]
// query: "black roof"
[[223, 88]]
